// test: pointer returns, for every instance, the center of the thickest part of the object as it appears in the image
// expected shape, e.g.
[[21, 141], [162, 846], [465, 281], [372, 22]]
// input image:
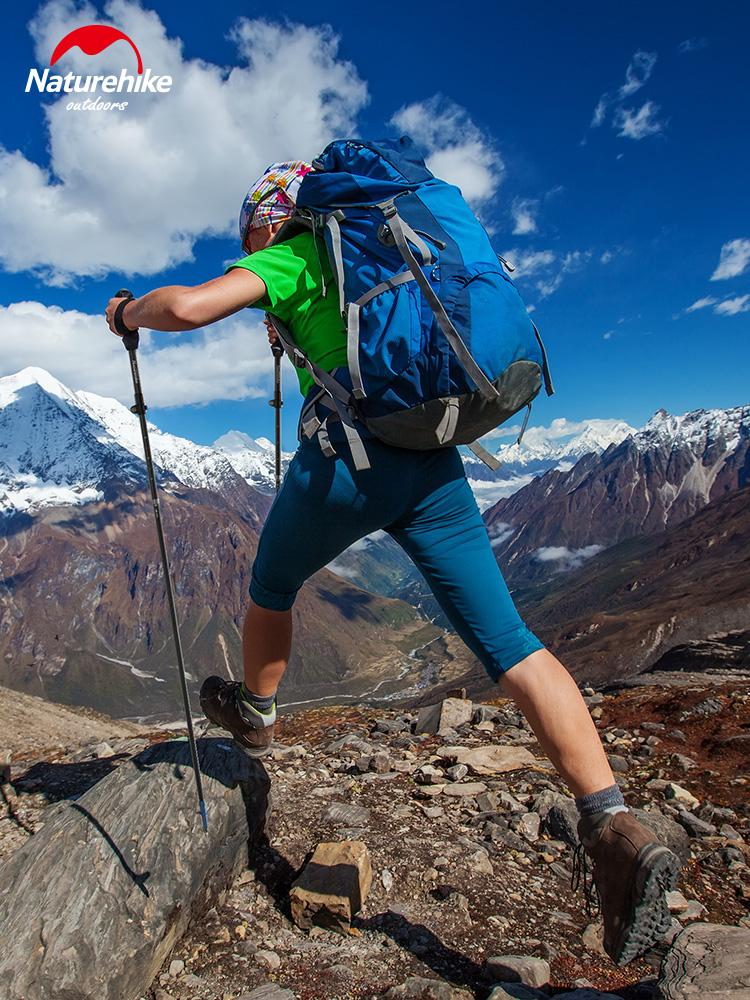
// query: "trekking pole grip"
[[129, 337]]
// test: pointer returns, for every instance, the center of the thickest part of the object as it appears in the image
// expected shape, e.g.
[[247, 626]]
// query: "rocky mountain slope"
[[471, 838], [651, 481]]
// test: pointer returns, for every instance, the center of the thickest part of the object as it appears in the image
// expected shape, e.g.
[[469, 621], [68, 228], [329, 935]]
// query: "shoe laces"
[[583, 878], [228, 694]]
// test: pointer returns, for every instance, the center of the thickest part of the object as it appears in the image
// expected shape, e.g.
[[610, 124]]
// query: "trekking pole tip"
[[204, 817]]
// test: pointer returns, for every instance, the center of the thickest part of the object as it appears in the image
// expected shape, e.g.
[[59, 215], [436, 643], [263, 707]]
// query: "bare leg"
[[549, 698], [266, 645]]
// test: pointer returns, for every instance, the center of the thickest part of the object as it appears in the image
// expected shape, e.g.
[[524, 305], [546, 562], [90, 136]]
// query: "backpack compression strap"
[[401, 232], [340, 399]]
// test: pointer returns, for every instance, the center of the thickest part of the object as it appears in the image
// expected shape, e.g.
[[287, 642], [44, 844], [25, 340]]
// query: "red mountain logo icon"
[[93, 39]]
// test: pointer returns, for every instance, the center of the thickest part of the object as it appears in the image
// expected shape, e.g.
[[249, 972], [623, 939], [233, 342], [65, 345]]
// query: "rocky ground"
[[470, 835]]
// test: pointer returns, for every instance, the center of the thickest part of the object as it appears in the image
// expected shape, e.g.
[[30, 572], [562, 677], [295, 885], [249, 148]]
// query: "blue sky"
[[604, 145]]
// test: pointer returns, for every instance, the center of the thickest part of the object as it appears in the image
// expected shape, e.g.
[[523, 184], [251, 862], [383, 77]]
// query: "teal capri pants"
[[423, 501]]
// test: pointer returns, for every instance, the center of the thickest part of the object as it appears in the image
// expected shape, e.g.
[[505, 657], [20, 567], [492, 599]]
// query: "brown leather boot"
[[632, 873], [220, 701]]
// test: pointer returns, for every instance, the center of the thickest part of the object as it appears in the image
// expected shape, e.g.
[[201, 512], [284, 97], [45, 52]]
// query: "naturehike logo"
[[91, 40]]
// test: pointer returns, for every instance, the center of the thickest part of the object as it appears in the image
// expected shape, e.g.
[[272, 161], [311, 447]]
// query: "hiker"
[[423, 500]]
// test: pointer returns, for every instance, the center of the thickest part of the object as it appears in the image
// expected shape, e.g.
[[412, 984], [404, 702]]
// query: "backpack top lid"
[[353, 172]]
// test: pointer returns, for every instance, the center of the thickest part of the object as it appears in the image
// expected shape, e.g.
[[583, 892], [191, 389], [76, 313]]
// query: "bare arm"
[[182, 307]]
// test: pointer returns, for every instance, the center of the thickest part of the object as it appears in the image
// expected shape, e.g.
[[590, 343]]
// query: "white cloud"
[[640, 69], [544, 270], [631, 123], [692, 45], [500, 532], [133, 190], [230, 360], [568, 558], [702, 304], [455, 149], [638, 124], [731, 307], [599, 433], [524, 212], [734, 259]]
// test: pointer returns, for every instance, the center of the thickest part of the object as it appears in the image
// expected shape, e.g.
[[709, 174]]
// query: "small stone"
[[386, 877], [426, 989], [332, 886], [676, 902], [680, 760], [448, 714], [593, 938], [693, 911], [457, 772], [176, 968], [429, 775], [619, 764], [480, 862], [343, 814], [681, 796], [433, 812], [730, 833], [695, 826], [518, 969], [267, 959], [528, 827]]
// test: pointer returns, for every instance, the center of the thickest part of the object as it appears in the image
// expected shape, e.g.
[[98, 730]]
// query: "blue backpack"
[[440, 347]]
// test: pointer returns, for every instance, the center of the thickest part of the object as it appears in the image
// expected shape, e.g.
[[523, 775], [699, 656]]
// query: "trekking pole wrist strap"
[[123, 330]]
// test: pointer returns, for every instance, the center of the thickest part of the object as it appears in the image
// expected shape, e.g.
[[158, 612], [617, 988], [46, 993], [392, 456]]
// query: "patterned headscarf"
[[273, 196]]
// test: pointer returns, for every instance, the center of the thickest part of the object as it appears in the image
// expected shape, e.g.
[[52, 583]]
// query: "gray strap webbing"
[[353, 439], [300, 360], [353, 311], [473, 370], [332, 222], [485, 456], [418, 242], [384, 286], [352, 349], [324, 441], [447, 426]]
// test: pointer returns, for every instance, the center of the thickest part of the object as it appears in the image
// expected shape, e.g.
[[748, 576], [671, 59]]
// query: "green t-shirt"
[[295, 273]]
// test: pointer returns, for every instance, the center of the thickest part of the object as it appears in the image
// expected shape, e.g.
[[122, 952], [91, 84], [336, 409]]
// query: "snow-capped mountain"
[[652, 480], [253, 458], [558, 446], [61, 447]]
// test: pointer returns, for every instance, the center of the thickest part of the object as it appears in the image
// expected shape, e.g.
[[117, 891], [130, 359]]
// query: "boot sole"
[[656, 874]]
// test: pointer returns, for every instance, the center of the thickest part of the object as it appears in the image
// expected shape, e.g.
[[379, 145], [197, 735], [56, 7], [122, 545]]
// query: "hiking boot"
[[632, 873], [223, 704]]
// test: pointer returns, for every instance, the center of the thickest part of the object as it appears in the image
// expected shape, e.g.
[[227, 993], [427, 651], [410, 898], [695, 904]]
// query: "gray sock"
[[258, 711], [607, 800]]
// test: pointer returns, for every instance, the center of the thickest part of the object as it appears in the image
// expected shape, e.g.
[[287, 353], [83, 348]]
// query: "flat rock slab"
[[333, 886], [490, 760], [708, 962], [460, 789], [93, 903]]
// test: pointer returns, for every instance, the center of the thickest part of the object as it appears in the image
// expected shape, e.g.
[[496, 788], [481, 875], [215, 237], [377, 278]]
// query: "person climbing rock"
[[422, 499]]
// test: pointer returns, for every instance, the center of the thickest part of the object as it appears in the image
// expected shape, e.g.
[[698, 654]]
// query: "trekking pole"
[[277, 402], [130, 340]]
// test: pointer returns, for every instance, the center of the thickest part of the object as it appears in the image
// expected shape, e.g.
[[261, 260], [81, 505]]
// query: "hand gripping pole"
[[130, 340]]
